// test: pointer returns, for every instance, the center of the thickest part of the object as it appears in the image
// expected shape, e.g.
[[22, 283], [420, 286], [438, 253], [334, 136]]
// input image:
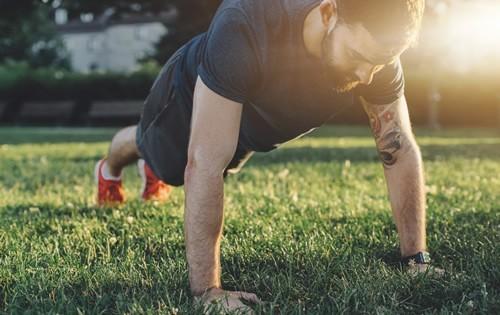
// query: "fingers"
[[419, 269], [225, 302], [251, 297], [227, 305], [241, 309]]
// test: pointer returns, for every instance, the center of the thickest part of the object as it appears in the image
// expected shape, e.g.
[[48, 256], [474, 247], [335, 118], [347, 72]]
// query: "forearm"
[[405, 182], [203, 220]]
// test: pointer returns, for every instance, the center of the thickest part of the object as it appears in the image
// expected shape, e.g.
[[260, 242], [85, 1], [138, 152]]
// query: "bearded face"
[[336, 74], [351, 56]]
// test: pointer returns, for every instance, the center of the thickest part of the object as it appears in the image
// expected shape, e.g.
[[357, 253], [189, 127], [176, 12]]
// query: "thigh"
[[161, 93], [164, 143], [163, 131]]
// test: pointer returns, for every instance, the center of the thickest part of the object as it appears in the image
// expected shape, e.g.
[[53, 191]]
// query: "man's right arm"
[[215, 125]]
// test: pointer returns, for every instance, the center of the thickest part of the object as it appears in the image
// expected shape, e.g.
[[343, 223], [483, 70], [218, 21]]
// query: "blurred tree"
[[119, 7], [29, 35], [194, 18]]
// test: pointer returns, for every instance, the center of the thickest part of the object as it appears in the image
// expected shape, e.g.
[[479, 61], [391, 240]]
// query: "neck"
[[313, 32]]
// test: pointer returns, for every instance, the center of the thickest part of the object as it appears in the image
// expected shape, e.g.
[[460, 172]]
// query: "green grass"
[[306, 230]]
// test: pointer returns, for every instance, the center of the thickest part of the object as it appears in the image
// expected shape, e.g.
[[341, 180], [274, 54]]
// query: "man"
[[265, 72]]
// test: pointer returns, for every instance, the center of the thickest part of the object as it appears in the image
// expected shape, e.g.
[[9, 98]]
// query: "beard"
[[341, 81]]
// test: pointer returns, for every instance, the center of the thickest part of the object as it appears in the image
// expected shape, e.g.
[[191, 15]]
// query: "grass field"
[[307, 227]]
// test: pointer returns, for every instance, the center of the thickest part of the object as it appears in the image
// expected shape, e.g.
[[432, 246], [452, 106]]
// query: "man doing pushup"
[[266, 72]]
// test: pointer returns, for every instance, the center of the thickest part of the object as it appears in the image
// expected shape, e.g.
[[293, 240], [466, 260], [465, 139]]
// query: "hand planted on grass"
[[219, 301], [416, 269]]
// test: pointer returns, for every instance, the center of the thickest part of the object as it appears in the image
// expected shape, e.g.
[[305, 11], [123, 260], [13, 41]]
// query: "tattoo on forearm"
[[375, 124], [389, 145], [387, 132], [388, 116]]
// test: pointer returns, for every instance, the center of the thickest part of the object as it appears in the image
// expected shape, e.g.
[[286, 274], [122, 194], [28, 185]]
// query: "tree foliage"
[[29, 35], [194, 18], [98, 7]]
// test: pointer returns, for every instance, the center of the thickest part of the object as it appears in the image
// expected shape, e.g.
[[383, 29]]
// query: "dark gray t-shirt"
[[254, 53]]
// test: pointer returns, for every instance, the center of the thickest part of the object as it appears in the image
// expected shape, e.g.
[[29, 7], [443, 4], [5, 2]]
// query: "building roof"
[[109, 18]]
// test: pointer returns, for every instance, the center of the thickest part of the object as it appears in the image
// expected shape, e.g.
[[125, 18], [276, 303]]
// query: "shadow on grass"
[[34, 135], [280, 258], [431, 152], [110, 297], [30, 135], [363, 131]]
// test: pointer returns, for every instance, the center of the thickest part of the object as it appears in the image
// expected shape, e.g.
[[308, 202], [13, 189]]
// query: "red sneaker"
[[109, 192], [152, 187]]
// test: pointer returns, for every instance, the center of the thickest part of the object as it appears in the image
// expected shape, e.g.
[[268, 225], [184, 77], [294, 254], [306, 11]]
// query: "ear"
[[329, 13]]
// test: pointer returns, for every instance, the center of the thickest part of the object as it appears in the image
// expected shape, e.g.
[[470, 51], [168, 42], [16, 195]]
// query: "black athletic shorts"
[[164, 127]]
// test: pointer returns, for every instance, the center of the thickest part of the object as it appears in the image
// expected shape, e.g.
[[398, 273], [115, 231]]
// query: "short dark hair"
[[398, 19]]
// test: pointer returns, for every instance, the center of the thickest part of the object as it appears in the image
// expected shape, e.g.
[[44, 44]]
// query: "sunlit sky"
[[467, 34]]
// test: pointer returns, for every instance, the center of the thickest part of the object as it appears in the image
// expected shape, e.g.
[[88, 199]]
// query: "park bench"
[[53, 112], [115, 112], [3, 106]]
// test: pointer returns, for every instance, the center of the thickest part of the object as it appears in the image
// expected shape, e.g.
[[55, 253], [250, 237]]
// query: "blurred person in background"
[[266, 72]]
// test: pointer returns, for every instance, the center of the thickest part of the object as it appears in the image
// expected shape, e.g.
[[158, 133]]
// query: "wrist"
[[201, 293], [422, 258]]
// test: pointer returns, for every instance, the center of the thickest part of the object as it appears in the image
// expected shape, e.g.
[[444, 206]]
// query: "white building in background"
[[108, 44]]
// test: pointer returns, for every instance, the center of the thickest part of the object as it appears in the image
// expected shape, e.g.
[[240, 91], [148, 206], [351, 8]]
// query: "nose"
[[365, 73]]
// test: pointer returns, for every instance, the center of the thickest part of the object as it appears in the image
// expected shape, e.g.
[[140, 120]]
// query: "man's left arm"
[[403, 170]]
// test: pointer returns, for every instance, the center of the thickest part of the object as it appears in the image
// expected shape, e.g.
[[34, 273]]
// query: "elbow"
[[189, 172], [196, 171], [203, 166]]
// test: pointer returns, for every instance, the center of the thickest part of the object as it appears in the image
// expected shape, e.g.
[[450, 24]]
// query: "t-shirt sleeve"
[[229, 63], [387, 85]]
